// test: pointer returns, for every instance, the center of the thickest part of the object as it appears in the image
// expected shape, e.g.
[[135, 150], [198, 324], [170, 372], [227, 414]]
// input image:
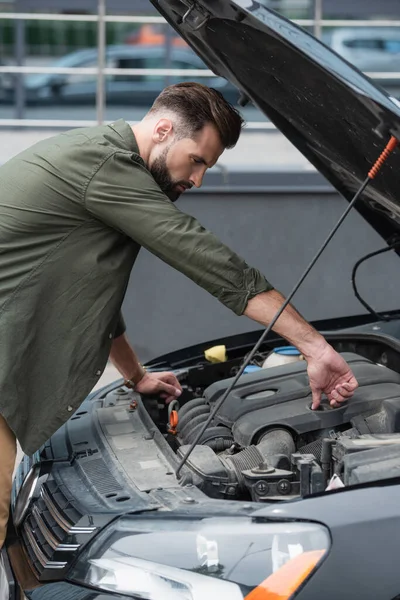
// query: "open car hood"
[[332, 113]]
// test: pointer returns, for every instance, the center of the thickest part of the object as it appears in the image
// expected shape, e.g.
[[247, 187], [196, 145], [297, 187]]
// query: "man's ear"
[[162, 131]]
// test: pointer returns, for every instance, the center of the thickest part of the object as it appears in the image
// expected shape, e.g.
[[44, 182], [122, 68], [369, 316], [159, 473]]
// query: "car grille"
[[50, 532]]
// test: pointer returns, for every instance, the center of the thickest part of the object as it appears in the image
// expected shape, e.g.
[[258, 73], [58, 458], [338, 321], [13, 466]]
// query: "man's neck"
[[143, 140]]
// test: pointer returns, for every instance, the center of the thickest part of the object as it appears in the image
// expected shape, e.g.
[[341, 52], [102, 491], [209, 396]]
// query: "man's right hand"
[[329, 373]]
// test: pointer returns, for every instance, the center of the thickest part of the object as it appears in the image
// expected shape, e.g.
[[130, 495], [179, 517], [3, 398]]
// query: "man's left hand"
[[164, 384]]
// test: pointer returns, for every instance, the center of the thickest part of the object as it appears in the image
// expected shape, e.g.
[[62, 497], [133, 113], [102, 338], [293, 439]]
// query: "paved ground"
[[255, 150]]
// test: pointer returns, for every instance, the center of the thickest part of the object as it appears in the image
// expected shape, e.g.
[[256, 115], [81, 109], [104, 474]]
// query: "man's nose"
[[197, 179]]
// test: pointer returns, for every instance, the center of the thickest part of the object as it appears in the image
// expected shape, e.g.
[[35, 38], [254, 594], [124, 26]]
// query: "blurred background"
[[66, 36]]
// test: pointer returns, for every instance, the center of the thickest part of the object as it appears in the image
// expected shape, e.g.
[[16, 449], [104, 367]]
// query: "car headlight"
[[185, 559]]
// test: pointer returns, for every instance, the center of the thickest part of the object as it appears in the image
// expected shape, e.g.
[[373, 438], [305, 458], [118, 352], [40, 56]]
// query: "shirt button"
[[110, 335], [70, 409], [98, 372]]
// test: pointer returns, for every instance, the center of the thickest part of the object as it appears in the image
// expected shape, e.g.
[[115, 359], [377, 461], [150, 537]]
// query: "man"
[[74, 212]]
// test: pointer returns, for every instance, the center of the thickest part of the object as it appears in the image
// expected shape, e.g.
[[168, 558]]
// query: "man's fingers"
[[337, 398], [316, 399], [170, 390], [343, 391], [171, 379], [351, 385]]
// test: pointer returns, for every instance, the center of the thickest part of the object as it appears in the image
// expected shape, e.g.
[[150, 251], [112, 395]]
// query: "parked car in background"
[[370, 49], [139, 90]]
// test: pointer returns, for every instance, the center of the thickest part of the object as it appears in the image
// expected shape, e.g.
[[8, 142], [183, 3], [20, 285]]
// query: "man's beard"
[[163, 178]]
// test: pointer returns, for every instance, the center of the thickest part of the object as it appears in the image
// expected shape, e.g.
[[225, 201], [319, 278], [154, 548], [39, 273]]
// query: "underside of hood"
[[336, 117]]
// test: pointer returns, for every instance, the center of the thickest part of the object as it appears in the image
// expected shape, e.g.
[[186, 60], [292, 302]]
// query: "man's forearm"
[[290, 325], [123, 357]]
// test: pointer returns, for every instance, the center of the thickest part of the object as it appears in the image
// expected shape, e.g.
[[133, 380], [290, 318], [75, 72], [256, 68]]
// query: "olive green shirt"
[[74, 211]]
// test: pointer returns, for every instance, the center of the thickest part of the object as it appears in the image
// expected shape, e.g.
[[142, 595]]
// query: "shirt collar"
[[124, 130]]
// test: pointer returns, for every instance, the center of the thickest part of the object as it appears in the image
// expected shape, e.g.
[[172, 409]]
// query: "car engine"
[[267, 444]]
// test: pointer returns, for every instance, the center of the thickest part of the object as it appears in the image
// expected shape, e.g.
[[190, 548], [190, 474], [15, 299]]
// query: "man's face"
[[182, 164]]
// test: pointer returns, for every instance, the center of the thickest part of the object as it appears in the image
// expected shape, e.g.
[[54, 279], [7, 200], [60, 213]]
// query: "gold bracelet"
[[131, 383]]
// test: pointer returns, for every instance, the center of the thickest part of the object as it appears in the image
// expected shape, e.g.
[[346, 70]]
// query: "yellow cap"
[[216, 354]]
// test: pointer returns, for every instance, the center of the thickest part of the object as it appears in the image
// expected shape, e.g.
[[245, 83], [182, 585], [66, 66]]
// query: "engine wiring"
[[389, 148], [377, 315]]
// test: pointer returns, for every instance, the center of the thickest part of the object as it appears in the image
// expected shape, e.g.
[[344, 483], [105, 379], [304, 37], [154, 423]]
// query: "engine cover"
[[281, 397]]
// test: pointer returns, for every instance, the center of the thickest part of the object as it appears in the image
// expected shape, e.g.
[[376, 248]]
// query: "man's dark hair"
[[197, 105]]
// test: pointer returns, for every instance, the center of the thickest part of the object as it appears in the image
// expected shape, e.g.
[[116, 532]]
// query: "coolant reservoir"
[[282, 356]]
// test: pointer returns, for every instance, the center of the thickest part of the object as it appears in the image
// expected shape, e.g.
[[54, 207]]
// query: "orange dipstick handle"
[[393, 142], [173, 422]]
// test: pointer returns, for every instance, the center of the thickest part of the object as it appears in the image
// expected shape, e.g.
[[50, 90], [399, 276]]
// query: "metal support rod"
[[101, 61], [318, 19]]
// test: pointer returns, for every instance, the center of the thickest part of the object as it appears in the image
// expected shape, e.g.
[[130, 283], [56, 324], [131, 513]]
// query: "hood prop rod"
[[371, 175]]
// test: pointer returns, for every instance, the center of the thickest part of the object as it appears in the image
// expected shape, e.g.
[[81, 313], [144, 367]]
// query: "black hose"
[[378, 316], [186, 424], [192, 427], [191, 404], [219, 444], [211, 433]]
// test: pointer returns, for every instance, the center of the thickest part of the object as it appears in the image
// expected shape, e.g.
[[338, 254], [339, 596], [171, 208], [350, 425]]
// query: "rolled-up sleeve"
[[123, 194], [120, 327]]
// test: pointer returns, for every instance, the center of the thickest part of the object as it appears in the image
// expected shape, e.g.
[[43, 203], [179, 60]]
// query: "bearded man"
[[75, 210]]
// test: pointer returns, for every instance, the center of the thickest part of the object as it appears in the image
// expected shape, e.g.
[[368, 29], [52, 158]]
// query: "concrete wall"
[[277, 232]]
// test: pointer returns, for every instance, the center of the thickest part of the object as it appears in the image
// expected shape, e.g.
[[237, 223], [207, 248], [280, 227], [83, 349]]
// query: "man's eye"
[[198, 161]]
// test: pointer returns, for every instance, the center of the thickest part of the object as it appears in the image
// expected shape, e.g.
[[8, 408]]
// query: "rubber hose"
[[276, 441], [191, 427], [245, 460], [185, 424], [191, 404], [210, 433], [219, 444], [216, 433]]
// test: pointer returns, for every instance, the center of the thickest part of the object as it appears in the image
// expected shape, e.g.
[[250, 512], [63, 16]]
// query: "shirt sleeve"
[[121, 327], [123, 194]]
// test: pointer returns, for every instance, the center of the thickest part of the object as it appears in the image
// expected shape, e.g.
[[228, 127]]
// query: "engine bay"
[[267, 444]]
